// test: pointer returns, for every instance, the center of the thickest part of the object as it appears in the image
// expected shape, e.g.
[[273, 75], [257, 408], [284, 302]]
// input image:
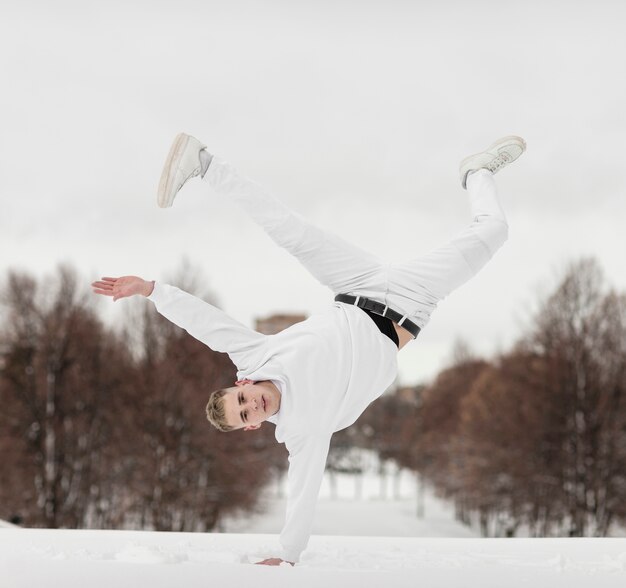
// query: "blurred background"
[[508, 408]]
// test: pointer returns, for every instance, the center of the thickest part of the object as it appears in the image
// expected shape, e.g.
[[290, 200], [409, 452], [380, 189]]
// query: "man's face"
[[247, 405]]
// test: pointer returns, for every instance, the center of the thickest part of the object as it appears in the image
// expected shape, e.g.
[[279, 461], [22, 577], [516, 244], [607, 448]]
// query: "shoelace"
[[499, 161]]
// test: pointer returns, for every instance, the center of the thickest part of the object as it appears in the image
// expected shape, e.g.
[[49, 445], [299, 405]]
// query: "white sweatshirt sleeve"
[[208, 324], [307, 461]]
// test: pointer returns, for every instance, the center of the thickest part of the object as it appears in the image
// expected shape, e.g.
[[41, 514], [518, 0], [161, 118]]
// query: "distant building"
[[278, 322]]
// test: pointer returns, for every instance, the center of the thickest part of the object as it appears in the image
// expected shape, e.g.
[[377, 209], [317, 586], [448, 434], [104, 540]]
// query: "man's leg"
[[413, 288], [334, 262], [416, 286]]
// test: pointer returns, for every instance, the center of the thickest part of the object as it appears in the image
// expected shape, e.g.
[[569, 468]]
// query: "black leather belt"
[[381, 309]]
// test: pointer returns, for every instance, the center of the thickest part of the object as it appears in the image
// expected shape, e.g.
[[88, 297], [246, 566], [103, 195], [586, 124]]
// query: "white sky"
[[355, 113]]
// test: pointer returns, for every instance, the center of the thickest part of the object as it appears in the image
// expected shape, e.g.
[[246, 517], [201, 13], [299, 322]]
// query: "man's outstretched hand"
[[122, 287], [273, 561]]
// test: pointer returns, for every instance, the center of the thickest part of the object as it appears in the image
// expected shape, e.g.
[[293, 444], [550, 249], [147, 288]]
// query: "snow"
[[348, 549], [34, 557], [7, 525], [371, 515]]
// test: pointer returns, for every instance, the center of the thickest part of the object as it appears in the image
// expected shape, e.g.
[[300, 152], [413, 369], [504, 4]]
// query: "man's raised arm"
[[201, 320]]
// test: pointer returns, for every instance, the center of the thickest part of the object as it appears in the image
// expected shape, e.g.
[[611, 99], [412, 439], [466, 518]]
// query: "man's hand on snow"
[[273, 561], [122, 287]]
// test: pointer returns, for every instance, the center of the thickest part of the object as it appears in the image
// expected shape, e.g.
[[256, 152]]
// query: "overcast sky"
[[355, 113]]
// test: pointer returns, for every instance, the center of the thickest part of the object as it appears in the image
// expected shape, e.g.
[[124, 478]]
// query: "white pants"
[[412, 288]]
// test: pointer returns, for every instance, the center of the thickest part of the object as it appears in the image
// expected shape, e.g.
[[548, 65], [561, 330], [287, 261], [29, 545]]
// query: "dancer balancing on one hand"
[[317, 376]]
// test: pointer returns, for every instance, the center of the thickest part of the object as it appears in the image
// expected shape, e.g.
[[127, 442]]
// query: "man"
[[319, 375]]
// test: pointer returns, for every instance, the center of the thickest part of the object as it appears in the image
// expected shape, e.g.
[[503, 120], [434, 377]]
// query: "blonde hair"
[[215, 412]]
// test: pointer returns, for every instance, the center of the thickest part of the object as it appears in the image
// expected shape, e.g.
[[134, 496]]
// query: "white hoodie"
[[328, 369]]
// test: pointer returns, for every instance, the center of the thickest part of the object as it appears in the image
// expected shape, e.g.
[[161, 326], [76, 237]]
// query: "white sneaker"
[[182, 163], [498, 155]]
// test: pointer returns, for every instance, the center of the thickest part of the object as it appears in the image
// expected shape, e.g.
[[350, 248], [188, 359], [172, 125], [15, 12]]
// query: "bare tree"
[[58, 366], [187, 475], [581, 330], [538, 436], [97, 436]]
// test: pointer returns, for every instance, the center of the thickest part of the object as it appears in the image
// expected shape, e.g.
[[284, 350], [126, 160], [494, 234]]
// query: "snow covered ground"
[[371, 514], [100, 559], [349, 548], [7, 525]]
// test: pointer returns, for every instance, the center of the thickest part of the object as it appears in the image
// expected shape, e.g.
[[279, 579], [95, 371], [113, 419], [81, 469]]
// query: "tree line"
[[106, 429], [535, 437], [103, 428]]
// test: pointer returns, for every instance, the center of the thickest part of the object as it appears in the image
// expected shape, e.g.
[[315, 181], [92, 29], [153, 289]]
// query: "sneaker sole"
[[165, 195]]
